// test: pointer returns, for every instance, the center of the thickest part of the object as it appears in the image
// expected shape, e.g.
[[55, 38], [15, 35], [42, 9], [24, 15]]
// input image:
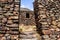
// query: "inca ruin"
[[47, 17], [9, 16], [18, 23]]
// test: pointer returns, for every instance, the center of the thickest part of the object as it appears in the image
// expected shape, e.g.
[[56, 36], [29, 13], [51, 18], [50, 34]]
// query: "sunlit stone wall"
[[47, 15], [9, 12]]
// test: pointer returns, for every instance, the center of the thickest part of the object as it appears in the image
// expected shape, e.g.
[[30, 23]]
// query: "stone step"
[[29, 32], [29, 39], [29, 35], [33, 36]]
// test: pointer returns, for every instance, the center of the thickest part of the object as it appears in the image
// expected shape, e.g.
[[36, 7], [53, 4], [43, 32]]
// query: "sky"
[[27, 4]]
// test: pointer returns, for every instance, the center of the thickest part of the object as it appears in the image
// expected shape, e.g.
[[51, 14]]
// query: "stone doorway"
[[27, 26]]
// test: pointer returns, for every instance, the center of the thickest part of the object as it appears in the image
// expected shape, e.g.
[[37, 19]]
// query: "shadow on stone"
[[39, 28]]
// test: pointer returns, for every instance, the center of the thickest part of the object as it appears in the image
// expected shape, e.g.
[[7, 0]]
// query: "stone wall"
[[9, 12], [27, 19], [47, 15], [27, 26], [27, 16]]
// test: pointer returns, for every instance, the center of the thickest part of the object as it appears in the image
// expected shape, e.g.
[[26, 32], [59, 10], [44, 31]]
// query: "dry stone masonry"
[[20, 25], [9, 12], [27, 26], [16, 24], [47, 15]]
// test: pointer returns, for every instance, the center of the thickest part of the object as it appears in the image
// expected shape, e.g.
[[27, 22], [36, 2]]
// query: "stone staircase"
[[28, 35]]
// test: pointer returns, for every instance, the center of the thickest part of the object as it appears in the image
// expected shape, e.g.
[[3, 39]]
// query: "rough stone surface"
[[9, 11], [47, 16]]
